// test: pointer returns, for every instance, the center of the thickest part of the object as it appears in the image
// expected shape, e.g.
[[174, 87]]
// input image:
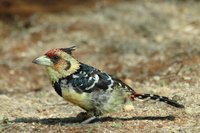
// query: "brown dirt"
[[151, 45]]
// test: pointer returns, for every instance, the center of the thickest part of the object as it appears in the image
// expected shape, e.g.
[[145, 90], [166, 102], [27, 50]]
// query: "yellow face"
[[59, 63]]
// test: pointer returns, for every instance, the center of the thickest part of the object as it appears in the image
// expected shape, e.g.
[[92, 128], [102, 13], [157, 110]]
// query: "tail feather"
[[159, 98]]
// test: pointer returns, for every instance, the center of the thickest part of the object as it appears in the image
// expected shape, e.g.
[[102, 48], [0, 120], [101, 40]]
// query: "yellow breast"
[[82, 100]]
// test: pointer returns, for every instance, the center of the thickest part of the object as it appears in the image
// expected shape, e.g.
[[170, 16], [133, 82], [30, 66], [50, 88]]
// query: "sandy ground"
[[154, 46]]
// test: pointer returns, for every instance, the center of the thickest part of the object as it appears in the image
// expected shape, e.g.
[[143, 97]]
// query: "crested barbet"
[[97, 92]]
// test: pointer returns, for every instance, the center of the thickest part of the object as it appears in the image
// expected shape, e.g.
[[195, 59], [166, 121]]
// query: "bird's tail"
[[158, 98]]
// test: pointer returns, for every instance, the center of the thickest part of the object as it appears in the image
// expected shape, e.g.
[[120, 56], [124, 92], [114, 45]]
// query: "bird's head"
[[59, 62]]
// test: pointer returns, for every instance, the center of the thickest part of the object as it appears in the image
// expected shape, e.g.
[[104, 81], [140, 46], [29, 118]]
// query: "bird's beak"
[[43, 60]]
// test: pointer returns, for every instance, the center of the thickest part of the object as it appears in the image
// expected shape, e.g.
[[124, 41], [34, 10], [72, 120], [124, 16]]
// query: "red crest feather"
[[52, 52]]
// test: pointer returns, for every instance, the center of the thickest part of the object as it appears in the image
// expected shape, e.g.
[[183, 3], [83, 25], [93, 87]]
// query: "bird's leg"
[[86, 117], [90, 119]]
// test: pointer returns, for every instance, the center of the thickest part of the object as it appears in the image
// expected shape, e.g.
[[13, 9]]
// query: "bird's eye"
[[55, 59]]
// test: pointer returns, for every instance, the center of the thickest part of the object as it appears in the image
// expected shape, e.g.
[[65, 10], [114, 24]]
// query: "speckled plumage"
[[87, 87], [95, 86]]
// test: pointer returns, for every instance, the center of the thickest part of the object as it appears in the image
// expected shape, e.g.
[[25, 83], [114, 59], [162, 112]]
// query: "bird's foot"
[[86, 117], [83, 115]]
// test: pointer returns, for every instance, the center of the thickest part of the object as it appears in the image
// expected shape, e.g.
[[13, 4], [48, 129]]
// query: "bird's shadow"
[[75, 120]]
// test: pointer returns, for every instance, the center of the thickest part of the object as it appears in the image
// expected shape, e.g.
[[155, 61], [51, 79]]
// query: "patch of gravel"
[[151, 45]]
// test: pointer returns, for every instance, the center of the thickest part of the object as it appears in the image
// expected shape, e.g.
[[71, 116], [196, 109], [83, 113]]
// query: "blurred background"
[[152, 45]]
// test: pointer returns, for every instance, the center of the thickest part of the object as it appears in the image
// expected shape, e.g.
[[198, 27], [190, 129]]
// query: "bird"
[[95, 91]]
